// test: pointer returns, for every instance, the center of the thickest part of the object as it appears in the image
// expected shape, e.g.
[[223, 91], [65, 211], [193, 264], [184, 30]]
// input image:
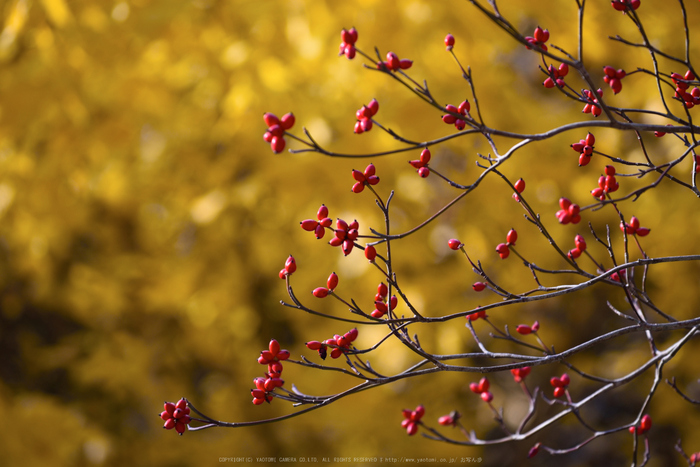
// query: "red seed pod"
[[340, 224], [541, 35], [574, 253], [564, 203], [313, 345], [616, 85], [320, 231], [326, 222], [382, 289], [393, 301], [449, 41], [350, 52], [267, 137], [405, 63], [337, 352], [580, 242], [460, 125], [449, 119], [574, 209], [583, 160], [274, 347], [351, 335], [372, 107], [354, 225], [320, 292], [645, 424], [277, 144], [416, 164], [287, 121], [520, 185], [424, 157], [478, 286], [377, 314], [563, 70], [486, 396], [370, 253], [332, 281], [559, 392], [609, 71], [484, 384], [358, 187], [503, 250], [454, 244], [381, 306], [290, 265], [423, 172], [642, 232], [347, 247], [512, 237], [271, 119], [464, 107], [548, 83], [564, 379], [474, 387], [523, 329], [370, 170], [366, 124], [392, 61], [309, 225], [357, 175], [609, 170]]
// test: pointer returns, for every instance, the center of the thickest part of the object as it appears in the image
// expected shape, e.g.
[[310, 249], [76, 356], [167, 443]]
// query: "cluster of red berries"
[[393, 63], [689, 99], [347, 46], [421, 164], [364, 116], [606, 183], [592, 106], [412, 419], [462, 109], [367, 177], [633, 228], [519, 374], [332, 283], [624, 5], [272, 357], [519, 187], [614, 78], [585, 148], [449, 41], [451, 419], [580, 243], [345, 234], [524, 329], [556, 76], [569, 212], [275, 130], [644, 426], [382, 305], [339, 344], [318, 226], [538, 38], [560, 384], [289, 267], [176, 415], [482, 388], [503, 249]]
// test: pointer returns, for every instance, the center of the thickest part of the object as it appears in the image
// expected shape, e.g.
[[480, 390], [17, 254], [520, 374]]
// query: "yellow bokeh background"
[[143, 221]]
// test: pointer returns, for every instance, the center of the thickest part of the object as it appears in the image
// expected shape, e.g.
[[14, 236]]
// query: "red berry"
[[424, 156], [393, 61], [486, 396], [320, 292], [503, 250], [277, 144], [370, 253], [287, 121], [454, 244], [520, 185], [423, 172], [449, 41], [523, 329], [290, 265], [332, 282], [645, 424], [541, 35], [405, 63], [512, 237], [270, 119], [478, 286]]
